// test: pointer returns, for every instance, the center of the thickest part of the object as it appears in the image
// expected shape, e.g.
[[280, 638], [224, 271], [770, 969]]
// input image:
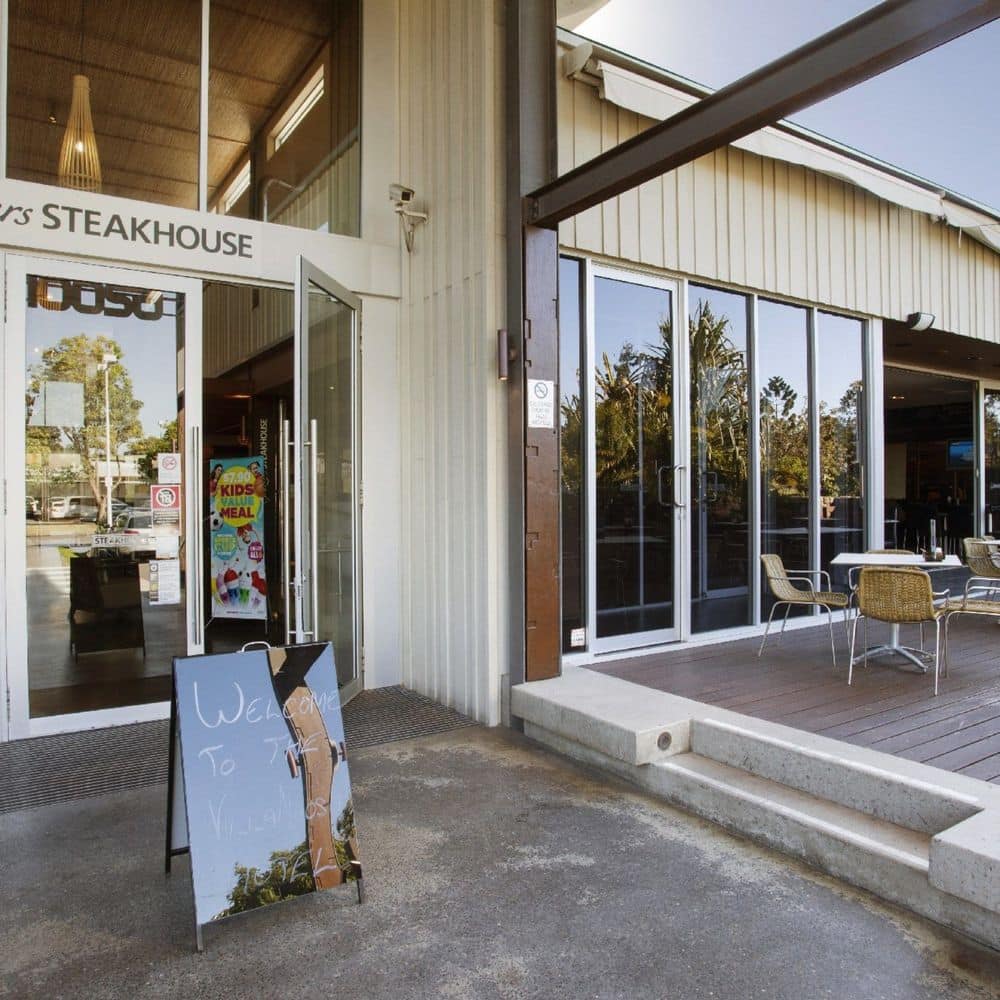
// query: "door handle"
[[285, 449], [678, 469], [308, 580], [659, 486], [195, 572], [314, 515]]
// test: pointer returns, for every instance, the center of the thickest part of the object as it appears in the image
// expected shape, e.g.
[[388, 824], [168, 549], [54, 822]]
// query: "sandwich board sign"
[[262, 798]]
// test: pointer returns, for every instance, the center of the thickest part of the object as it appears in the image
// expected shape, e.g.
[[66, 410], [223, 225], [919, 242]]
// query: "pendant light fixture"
[[79, 164]]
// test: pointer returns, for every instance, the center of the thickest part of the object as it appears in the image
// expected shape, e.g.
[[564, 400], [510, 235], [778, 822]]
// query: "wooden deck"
[[887, 708]]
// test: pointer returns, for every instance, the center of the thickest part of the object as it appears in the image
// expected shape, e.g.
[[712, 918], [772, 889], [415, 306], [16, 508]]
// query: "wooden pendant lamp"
[[79, 164]]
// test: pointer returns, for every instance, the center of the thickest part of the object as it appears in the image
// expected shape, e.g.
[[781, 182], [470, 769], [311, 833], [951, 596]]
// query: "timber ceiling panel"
[[142, 60]]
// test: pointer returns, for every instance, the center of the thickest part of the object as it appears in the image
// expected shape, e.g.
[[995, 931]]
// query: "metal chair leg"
[[850, 662], [768, 629], [937, 652], [788, 611], [833, 647]]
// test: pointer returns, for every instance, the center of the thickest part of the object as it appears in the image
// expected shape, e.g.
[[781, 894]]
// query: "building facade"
[[291, 252]]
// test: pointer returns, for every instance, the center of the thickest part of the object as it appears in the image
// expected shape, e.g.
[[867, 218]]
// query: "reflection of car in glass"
[[31, 508], [140, 523], [66, 508]]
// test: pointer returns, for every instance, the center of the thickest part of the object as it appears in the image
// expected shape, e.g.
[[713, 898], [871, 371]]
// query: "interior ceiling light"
[[973, 357], [79, 164], [897, 397]]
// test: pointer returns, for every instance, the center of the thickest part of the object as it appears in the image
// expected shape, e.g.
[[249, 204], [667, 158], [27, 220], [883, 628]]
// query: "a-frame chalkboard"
[[262, 796]]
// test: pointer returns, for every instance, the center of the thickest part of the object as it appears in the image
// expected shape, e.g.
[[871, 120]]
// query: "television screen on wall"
[[960, 455]]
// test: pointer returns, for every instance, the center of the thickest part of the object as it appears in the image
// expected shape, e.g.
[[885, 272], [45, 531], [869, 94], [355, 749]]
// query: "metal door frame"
[[14, 683], [681, 462], [305, 596]]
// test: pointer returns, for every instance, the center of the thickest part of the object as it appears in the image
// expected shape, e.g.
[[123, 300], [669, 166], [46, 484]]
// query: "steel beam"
[[877, 40], [531, 161]]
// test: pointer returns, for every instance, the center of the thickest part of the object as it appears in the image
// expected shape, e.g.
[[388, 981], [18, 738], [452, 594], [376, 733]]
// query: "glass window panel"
[[782, 344], [720, 541], [571, 442], [331, 404], [140, 61], [929, 458], [634, 462], [265, 62], [991, 427], [840, 392], [105, 581]]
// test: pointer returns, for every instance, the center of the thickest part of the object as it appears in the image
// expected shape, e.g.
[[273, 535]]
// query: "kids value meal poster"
[[236, 491]]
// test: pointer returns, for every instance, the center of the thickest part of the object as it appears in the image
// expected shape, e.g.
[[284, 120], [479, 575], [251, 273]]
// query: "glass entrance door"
[[637, 483], [326, 571], [102, 440]]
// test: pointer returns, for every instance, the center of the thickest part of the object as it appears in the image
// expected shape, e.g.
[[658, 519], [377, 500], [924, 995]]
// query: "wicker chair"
[[985, 572], [899, 595], [783, 587], [966, 606]]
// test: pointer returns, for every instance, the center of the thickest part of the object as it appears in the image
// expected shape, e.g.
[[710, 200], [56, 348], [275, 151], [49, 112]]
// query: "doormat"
[[48, 769]]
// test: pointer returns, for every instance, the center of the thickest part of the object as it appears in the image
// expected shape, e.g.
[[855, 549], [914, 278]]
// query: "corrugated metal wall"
[[735, 217], [239, 321], [452, 408]]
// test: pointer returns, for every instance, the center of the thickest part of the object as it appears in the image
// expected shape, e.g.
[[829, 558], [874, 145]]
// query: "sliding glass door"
[[637, 486]]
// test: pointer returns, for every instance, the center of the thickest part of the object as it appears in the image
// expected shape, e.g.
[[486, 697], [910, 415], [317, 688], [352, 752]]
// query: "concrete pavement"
[[494, 868]]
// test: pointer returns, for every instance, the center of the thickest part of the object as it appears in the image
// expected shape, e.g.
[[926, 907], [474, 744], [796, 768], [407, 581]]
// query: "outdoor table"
[[893, 646]]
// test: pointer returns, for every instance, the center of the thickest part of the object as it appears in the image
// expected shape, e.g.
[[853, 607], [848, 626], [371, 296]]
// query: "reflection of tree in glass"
[[289, 874], [838, 442], [76, 359], [784, 443], [718, 401], [148, 448]]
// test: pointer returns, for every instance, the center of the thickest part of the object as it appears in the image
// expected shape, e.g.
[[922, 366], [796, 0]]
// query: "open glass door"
[[102, 412], [326, 572]]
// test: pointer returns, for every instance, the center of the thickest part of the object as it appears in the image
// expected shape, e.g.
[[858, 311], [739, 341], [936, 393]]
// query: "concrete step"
[[912, 834], [861, 786], [779, 814]]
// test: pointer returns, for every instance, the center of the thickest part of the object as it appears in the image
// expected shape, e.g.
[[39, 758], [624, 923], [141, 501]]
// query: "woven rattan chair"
[[985, 572], [966, 606], [898, 595], [783, 588]]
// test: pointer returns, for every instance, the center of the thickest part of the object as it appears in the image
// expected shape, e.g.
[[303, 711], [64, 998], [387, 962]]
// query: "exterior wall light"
[[920, 321]]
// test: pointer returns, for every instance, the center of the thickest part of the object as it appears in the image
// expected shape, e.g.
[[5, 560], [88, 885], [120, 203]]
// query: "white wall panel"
[[452, 408], [779, 228]]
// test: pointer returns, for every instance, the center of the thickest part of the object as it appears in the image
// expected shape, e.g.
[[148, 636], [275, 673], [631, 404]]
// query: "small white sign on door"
[[164, 581], [168, 467], [541, 403]]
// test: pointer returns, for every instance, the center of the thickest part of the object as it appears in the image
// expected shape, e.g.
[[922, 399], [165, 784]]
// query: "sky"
[[936, 116]]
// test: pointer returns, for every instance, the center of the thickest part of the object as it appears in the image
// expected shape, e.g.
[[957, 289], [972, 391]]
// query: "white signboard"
[[541, 403], [168, 467], [165, 581]]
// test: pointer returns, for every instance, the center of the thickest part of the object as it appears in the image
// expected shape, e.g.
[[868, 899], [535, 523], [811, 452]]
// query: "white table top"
[[889, 559]]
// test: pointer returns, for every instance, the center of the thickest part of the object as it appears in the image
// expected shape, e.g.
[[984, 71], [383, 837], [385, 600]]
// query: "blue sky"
[[937, 116]]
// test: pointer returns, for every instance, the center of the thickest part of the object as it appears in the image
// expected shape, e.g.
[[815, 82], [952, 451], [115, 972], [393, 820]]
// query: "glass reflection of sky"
[[838, 357], [782, 348], [256, 807], [627, 313], [148, 351]]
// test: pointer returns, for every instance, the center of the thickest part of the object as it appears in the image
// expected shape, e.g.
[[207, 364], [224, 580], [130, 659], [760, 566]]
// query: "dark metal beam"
[[531, 161], [877, 40]]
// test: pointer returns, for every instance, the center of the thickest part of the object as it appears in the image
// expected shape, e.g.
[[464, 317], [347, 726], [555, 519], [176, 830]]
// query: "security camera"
[[400, 195]]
